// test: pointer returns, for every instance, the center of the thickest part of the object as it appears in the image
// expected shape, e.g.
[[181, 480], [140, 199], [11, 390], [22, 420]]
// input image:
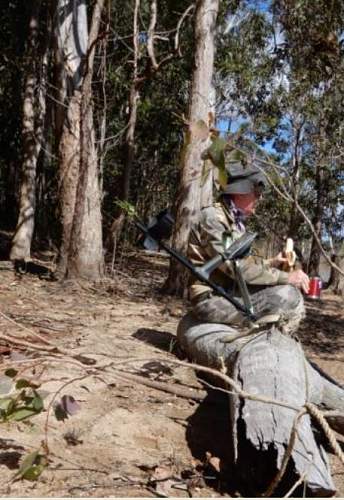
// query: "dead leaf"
[[18, 356], [164, 488], [211, 118], [162, 473], [215, 464], [6, 385], [4, 350]]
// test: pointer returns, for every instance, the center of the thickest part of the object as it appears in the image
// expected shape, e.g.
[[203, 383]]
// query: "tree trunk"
[[69, 152], [117, 224], [315, 253], [207, 181], [189, 191], [81, 247], [294, 215], [33, 127], [336, 281], [85, 258], [72, 23]]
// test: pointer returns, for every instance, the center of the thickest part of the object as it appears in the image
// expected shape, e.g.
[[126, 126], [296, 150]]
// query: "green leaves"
[[6, 406], [22, 383], [11, 372], [21, 406], [20, 414], [32, 466], [216, 153], [22, 400], [127, 207]]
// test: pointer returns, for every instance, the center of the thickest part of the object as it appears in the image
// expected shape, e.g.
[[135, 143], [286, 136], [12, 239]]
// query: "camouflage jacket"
[[217, 228]]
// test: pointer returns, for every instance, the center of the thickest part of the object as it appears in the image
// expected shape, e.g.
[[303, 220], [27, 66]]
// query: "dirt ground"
[[127, 439]]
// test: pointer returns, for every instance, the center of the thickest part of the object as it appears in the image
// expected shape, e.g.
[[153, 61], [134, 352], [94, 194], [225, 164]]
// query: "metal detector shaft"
[[200, 274]]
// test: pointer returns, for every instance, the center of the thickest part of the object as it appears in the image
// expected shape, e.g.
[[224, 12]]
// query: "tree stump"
[[273, 365]]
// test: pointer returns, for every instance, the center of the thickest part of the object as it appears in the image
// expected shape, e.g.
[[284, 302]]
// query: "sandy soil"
[[127, 439]]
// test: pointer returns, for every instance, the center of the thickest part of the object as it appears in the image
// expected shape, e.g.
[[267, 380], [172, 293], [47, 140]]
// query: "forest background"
[[108, 106]]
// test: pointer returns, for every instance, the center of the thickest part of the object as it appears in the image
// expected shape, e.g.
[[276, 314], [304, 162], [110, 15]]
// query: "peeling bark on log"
[[273, 365]]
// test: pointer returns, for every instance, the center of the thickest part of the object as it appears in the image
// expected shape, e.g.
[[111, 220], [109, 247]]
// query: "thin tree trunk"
[[189, 191], [336, 281], [207, 181], [69, 152], [81, 246], [34, 108], [117, 224], [85, 258], [72, 23], [295, 181], [314, 260], [102, 146]]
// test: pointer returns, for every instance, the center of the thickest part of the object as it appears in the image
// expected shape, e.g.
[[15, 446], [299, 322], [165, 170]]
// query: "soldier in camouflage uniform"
[[272, 291]]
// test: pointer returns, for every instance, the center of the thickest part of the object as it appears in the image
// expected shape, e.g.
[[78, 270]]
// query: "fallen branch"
[[25, 328], [53, 348], [196, 395], [225, 378]]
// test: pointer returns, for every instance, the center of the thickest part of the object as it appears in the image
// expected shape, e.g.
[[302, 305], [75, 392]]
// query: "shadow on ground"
[[10, 454], [207, 432], [165, 341], [322, 329], [5, 245]]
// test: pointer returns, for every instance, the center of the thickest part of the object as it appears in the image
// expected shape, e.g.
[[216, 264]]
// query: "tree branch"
[[151, 34]]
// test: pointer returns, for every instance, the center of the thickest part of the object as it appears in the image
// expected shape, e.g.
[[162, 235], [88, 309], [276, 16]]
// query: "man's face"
[[246, 202]]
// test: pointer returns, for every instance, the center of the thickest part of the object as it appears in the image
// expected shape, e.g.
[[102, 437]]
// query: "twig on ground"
[[37, 347], [31, 332], [29, 345], [228, 380], [196, 395]]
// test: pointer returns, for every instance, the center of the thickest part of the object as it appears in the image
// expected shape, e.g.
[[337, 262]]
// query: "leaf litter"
[[94, 324]]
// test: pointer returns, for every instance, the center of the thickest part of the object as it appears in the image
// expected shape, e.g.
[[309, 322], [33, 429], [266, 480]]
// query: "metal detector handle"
[[243, 287], [235, 251], [210, 266], [195, 271]]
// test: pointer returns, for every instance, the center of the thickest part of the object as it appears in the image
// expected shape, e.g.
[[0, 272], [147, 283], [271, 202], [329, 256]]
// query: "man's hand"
[[278, 261], [299, 279]]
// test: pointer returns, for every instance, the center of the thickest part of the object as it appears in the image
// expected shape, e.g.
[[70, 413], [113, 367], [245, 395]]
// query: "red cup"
[[315, 286]]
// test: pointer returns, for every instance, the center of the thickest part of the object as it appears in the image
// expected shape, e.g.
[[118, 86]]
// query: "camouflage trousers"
[[285, 300]]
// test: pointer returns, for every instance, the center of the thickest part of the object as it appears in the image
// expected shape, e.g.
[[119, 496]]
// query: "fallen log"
[[270, 364]]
